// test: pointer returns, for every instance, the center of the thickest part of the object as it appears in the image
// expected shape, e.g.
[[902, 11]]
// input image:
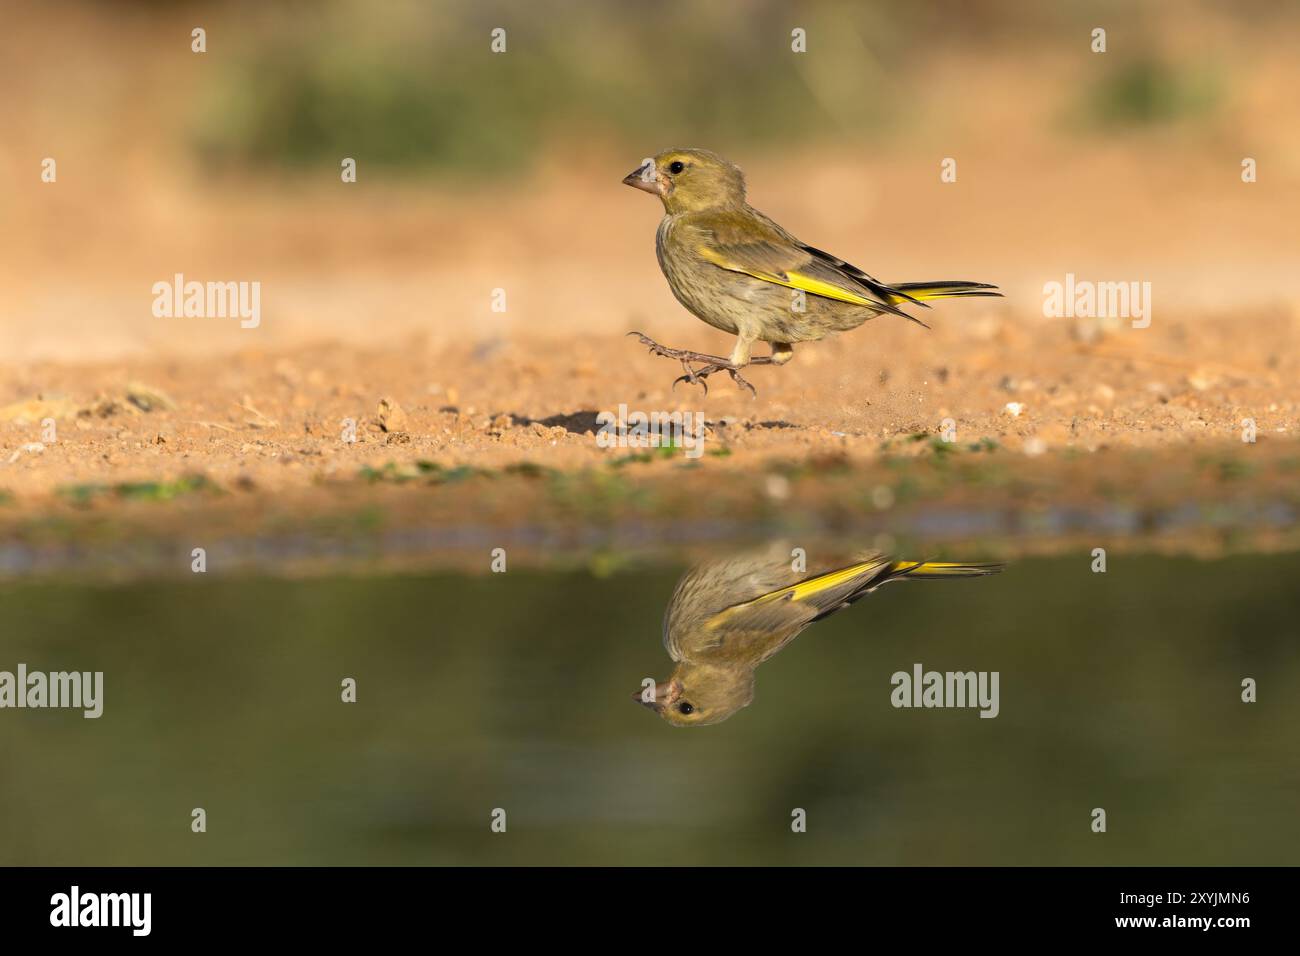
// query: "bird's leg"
[[740, 357], [741, 354], [782, 352]]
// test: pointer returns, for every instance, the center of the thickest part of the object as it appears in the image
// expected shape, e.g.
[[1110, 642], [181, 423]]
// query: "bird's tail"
[[920, 291], [940, 569], [863, 578]]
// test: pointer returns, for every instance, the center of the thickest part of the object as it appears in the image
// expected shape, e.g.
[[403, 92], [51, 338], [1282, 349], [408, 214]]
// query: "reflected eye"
[[685, 708], [676, 167]]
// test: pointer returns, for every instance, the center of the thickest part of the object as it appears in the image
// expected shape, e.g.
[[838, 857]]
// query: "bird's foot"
[[711, 364], [699, 376]]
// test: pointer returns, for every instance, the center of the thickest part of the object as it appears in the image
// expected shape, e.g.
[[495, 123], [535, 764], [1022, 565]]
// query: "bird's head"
[[689, 180], [700, 694]]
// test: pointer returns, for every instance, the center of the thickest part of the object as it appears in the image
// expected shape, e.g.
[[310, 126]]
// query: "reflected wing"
[[746, 609]]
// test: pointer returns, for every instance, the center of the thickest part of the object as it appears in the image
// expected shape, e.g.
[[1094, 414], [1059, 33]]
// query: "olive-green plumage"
[[740, 272], [728, 616]]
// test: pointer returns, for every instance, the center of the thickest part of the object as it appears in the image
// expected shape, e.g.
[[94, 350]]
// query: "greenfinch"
[[740, 272], [728, 616]]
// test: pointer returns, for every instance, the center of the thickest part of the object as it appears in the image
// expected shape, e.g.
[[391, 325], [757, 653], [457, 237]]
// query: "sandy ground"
[[277, 420], [1030, 384], [502, 435]]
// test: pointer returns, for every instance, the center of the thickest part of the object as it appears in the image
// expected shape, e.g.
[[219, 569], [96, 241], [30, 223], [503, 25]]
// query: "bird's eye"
[[685, 708], [676, 167]]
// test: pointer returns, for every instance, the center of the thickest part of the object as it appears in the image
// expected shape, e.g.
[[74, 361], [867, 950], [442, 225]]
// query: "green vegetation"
[[85, 494], [422, 90], [1150, 91], [430, 472]]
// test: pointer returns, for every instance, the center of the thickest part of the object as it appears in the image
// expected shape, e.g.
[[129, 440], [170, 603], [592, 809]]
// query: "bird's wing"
[[713, 586], [738, 611], [748, 242], [767, 623], [823, 594]]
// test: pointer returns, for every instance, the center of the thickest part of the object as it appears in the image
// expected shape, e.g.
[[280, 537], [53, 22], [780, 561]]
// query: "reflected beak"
[[643, 178], [665, 693]]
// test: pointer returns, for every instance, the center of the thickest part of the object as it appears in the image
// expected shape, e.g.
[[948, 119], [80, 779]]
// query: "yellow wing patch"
[[825, 289], [803, 590], [791, 280]]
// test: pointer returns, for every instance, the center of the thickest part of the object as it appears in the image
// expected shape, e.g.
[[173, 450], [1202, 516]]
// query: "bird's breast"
[[707, 292]]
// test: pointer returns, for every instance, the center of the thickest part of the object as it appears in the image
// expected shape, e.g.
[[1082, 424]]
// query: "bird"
[[730, 614], [741, 272]]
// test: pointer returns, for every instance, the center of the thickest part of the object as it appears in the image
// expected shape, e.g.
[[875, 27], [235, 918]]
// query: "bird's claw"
[[682, 355], [699, 377], [692, 377], [654, 347], [743, 382]]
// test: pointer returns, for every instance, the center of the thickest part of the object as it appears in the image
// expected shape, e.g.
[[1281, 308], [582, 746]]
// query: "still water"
[[515, 692]]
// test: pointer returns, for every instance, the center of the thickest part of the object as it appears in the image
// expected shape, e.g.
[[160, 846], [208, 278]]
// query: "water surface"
[[1119, 690]]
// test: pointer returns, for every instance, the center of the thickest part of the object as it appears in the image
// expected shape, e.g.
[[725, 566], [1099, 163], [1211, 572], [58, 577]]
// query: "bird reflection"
[[729, 615]]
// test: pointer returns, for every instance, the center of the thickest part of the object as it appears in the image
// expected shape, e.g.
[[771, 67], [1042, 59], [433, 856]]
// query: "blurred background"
[[479, 170]]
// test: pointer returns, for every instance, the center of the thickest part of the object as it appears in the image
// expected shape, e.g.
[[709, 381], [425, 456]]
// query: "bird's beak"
[[644, 178], [665, 694]]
